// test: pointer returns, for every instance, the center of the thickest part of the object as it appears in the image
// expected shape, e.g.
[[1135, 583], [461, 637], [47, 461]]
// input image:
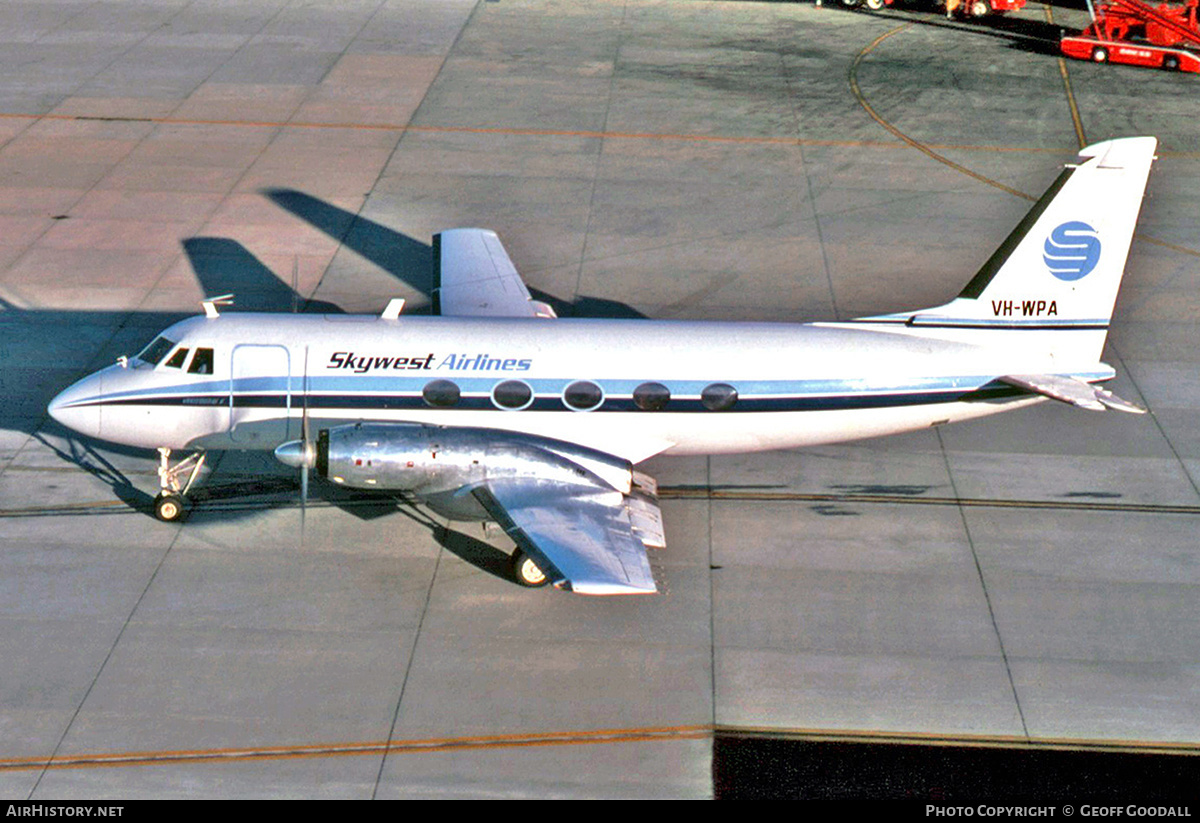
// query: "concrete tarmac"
[[1030, 578]]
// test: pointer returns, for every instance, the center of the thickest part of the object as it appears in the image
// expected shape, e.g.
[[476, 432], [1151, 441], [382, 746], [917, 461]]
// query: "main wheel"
[[1100, 54], [875, 5], [168, 507], [526, 572], [981, 8], [1171, 63]]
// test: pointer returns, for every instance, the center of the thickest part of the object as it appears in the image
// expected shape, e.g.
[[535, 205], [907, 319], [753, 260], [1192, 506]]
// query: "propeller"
[[305, 446], [300, 453]]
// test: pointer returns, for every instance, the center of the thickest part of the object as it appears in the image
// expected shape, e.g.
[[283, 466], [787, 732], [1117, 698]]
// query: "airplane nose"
[[76, 407]]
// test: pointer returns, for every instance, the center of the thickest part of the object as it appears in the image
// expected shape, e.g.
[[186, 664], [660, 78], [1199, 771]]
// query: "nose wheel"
[[168, 505]]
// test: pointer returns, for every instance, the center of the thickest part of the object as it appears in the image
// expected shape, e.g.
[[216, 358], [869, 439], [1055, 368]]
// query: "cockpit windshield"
[[156, 351], [202, 363]]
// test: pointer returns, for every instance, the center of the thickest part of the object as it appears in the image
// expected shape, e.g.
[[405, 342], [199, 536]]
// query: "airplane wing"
[[584, 539], [473, 277], [1071, 390]]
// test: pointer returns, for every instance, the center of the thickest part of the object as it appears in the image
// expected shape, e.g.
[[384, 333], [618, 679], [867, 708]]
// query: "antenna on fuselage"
[[210, 305]]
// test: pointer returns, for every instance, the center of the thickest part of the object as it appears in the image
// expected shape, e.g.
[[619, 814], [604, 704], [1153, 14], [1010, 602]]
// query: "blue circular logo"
[[1072, 250]]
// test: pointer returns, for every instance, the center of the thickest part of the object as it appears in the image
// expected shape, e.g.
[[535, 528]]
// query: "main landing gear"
[[168, 505], [526, 571]]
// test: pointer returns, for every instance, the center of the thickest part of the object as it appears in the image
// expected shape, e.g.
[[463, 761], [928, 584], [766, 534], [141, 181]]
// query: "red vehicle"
[[1102, 51], [982, 8], [1135, 33], [974, 8]]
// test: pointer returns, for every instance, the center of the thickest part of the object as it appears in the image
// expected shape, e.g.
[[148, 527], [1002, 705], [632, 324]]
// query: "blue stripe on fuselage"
[[388, 393]]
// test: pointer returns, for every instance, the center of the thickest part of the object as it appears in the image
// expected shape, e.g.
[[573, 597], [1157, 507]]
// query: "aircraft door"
[[260, 396]]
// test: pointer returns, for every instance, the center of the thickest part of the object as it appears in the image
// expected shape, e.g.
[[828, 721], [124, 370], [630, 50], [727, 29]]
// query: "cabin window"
[[718, 397], [441, 393], [176, 360], [156, 351], [651, 396], [202, 362], [512, 394], [583, 395]]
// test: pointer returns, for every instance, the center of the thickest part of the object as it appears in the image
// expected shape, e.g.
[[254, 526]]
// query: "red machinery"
[[973, 8], [1133, 32], [982, 8]]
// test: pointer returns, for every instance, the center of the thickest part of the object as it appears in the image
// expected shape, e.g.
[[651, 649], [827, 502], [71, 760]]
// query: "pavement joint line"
[[665, 493], [116, 641], [1183, 465], [405, 676], [678, 493], [983, 586]]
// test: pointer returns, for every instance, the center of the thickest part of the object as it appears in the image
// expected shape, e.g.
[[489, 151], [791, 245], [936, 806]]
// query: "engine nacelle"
[[440, 464], [399, 457]]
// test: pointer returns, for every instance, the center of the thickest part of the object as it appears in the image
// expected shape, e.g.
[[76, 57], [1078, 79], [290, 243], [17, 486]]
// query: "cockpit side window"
[[156, 351], [202, 362], [176, 360]]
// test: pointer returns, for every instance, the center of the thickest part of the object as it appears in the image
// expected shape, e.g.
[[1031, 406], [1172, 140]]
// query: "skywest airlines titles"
[[361, 364]]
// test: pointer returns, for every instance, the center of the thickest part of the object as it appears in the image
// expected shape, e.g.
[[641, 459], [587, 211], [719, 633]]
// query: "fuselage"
[[632, 388]]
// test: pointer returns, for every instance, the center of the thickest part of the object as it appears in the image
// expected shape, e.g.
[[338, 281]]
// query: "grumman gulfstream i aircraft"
[[495, 410]]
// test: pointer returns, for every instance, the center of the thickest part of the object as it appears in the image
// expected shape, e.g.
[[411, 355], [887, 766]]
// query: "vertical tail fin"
[[1060, 269]]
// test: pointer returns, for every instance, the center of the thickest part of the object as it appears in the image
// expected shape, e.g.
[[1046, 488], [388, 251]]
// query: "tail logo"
[[1072, 250]]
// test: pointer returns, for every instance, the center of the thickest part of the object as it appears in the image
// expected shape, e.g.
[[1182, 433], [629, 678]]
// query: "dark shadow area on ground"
[[409, 260]]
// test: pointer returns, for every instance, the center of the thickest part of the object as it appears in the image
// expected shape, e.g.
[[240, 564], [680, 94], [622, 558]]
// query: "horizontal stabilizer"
[[474, 277], [1071, 390]]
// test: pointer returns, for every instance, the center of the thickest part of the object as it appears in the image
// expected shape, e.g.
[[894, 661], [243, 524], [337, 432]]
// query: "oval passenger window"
[[651, 396], [512, 394], [583, 395], [719, 397], [441, 393]]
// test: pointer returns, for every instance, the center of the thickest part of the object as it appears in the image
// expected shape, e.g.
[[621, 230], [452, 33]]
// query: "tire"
[[875, 5], [1171, 63], [526, 572], [168, 507], [1100, 54], [980, 8]]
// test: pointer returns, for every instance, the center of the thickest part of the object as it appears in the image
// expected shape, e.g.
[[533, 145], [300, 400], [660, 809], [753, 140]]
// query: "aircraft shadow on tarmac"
[[411, 261], [480, 554]]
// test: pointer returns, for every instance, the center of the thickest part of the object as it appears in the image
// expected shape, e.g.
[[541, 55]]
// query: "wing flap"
[[646, 519], [474, 277], [580, 536], [1072, 390]]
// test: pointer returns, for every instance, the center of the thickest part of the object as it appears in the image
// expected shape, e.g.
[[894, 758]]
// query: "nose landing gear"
[[169, 505]]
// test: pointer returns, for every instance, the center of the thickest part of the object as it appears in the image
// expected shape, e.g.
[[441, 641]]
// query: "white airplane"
[[495, 410]]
